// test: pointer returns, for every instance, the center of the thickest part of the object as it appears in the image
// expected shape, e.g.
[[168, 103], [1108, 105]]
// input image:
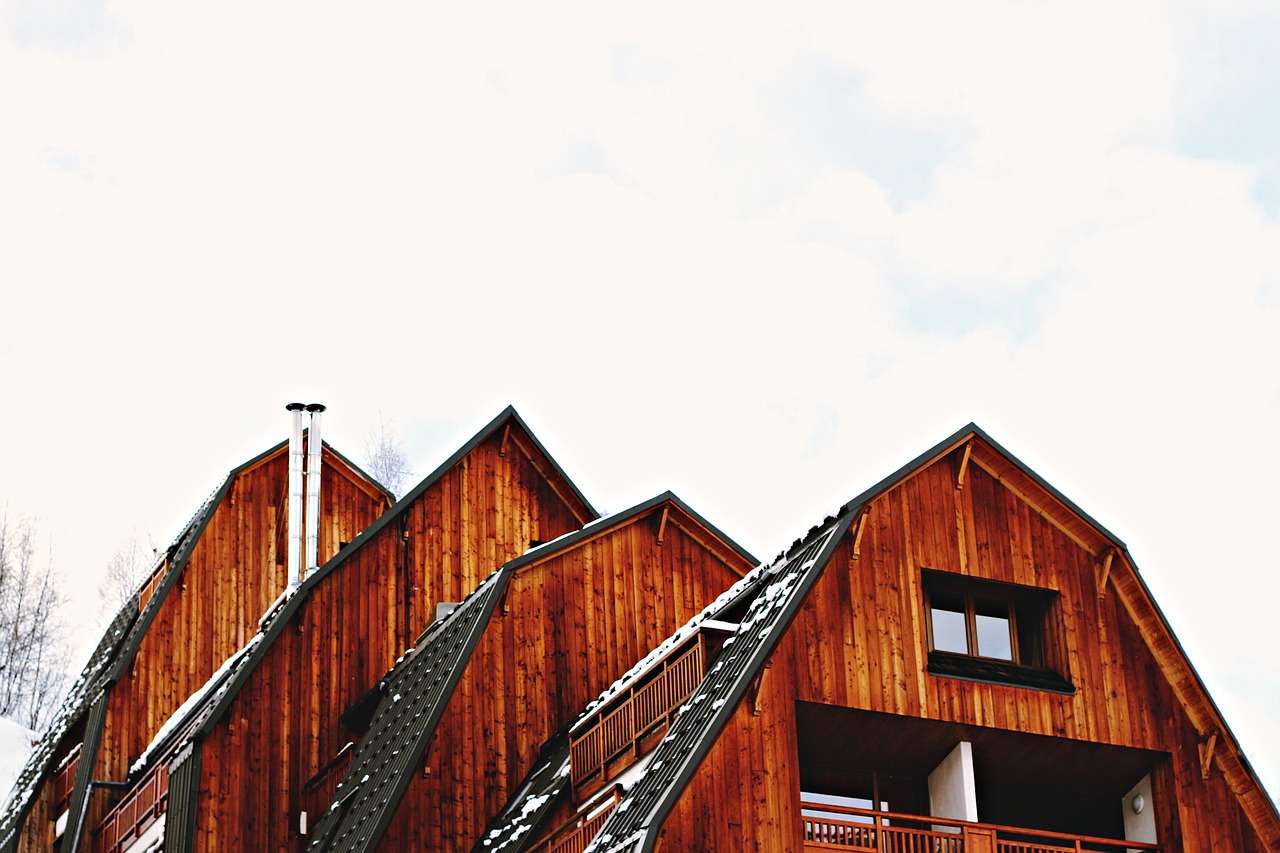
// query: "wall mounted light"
[[1138, 803]]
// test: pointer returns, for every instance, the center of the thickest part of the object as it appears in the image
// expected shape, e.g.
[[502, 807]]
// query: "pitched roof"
[[548, 783], [402, 728], [779, 592], [543, 789], [183, 549], [1122, 576], [633, 825], [290, 603], [542, 460], [123, 636]]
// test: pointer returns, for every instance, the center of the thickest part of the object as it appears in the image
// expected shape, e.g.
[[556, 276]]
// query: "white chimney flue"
[[295, 495], [314, 447]]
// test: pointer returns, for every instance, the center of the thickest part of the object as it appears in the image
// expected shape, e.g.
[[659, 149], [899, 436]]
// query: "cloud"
[[64, 26], [759, 255]]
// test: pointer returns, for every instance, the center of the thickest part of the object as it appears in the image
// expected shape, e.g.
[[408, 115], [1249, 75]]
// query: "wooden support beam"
[[506, 433], [1104, 571], [756, 691], [662, 525], [1206, 754], [714, 546], [572, 503], [861, 524], [964, 464]]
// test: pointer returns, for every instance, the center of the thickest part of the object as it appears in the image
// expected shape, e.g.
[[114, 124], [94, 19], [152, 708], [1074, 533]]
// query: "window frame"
[[1029, 611], [1011, 604]]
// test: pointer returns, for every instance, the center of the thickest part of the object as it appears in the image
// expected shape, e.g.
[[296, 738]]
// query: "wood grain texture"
[[858, 642], [284, 726], [574, 623], [234, 573]]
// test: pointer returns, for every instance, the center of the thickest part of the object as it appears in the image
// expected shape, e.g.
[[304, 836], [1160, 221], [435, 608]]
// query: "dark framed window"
[[988, 631]]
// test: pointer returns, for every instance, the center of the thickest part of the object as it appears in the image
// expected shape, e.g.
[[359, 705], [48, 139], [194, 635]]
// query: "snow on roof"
[[168, 728], [698, 721]]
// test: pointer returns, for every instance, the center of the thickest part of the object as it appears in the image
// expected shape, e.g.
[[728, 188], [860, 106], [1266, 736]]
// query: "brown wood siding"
[[36, 835], [573, 625], [859, 642], [284, 725], [235, 572]]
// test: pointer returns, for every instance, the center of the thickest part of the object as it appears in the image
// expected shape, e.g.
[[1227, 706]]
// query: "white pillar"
[[1139, 813], [953, 792]]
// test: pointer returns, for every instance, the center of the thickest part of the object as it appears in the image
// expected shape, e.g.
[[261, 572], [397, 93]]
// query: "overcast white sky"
[[759, 256]]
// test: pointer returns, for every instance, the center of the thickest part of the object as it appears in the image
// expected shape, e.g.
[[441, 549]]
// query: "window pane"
[[992, 622], [948, 630]]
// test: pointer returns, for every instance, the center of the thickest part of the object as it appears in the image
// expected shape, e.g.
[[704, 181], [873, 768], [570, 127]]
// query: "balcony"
[[145, 804], [832, 827], [576, 834], [615, 734], [64, 780]]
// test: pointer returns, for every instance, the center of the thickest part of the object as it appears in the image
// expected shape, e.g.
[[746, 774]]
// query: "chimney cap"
[[294, 407], [316, 407]]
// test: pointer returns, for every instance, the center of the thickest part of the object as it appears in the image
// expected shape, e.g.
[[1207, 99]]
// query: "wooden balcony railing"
[[575, 835], [636, 712], [151, 584], [140, 808], [64, 781], [830, 827]]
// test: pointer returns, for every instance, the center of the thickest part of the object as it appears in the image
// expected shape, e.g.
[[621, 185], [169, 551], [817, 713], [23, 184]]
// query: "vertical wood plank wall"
[[574, 625], [236, 570], [859, 642], [284, 725]]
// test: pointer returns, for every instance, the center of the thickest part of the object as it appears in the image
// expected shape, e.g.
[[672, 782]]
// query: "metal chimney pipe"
[[295, 495], [314, 446]]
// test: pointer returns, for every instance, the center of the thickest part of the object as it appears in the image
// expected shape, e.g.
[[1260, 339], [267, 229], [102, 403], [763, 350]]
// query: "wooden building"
[[960, 660], [201, 603], [461, 720], [255, 761]]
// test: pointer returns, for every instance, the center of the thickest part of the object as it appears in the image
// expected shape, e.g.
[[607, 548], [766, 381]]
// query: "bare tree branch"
[[129, 566], [34, 647], [385, 458]]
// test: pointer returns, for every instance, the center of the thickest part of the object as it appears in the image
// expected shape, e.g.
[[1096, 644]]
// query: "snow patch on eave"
[[213, 684]]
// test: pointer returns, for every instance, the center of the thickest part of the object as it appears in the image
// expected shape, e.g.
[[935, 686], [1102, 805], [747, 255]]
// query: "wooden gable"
[[570, 618], [207, 603], [274, 744], [852, 682]]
